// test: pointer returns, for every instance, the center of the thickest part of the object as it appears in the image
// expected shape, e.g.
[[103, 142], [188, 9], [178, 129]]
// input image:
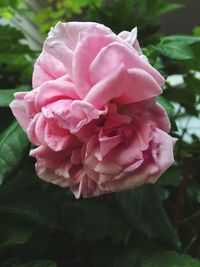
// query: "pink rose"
[[93, 113]]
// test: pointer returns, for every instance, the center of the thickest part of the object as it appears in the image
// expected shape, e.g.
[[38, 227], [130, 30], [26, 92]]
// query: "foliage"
[[120, 15], [15, 58], [62, 10], [155, 225], [116, 14]]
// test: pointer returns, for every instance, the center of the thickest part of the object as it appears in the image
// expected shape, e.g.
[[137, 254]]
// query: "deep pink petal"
[[56, 138]]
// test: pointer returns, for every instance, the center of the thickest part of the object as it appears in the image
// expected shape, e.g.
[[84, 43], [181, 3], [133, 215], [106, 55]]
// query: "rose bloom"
[[92, 112]]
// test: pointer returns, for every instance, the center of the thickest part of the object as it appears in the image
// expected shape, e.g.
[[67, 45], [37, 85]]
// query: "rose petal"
[[19, 109], [56, 138], [124, 87], [47, 68], [72, 115], [115, 54], [87, 49], [52, 91]]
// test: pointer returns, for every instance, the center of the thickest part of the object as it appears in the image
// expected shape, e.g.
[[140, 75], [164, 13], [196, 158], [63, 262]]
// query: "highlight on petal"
[[131, 38]]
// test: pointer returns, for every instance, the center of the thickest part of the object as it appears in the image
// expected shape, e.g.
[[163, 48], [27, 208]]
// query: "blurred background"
[[156, 225]]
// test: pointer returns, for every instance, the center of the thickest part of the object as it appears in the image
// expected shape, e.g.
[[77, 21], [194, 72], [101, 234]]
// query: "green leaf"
[[12, 3], [175, 50], [193, 83], [86, 220], [170, 111], [144, 210], [24, 196], [13, 146], [169, 7], [169, 259], [33, 206], [186, 39], [7, 95], [16, 58], [14, 231], [166, 105], [196, 31]]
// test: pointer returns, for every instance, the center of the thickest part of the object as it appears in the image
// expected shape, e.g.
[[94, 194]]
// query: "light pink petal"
[[131, 38], [162, 151], [47, 68], [41, 151], [148, 172], [87, 49], [131, 149], [80, 188], [132, 167], [31, 130], [106, 145], [115, 119], [111, 56], [82, 113], [72, 115], [19, 109], [151, 111], [62, 41], [107, 167], [57, 46], [40, 128], [140, 86], [30, 100], [131, 180], [124, 87], [52, 91], [110, 87], [158, 116]]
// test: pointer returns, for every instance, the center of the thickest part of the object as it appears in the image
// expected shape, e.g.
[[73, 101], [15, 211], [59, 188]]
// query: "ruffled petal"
[[124, 87], [115, 54], [47, 68], [72, 115], [19, 109], [87, 49], [52, 91]]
